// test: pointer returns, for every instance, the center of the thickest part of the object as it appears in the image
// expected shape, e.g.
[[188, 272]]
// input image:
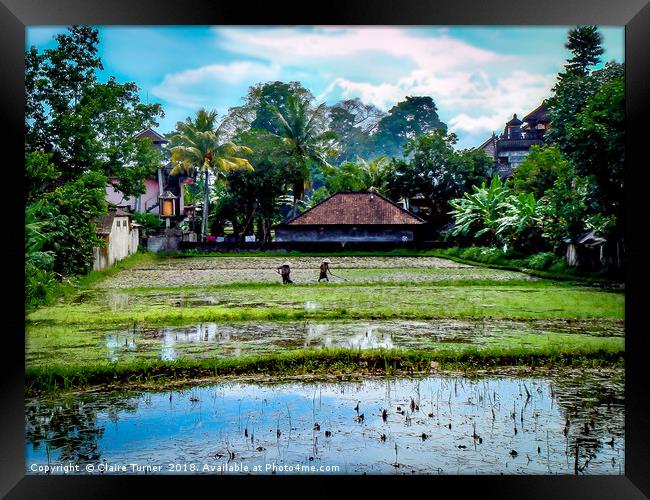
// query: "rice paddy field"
[[183, 309], [396, 365]]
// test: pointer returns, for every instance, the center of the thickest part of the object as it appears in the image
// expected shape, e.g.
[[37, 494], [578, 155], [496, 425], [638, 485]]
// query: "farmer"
[[284, 270], [324, 269]]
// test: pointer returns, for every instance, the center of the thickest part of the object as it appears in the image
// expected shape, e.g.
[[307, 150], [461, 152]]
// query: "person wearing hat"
[[285, 271], [324, 269]]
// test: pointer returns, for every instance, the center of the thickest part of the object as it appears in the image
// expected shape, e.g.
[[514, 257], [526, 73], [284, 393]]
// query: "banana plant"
[[479, 212]]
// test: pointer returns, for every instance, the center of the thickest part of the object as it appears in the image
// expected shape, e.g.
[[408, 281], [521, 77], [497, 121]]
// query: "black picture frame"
[[633, 14]]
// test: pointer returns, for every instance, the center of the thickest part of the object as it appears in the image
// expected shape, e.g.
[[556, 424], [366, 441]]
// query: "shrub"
[[471, 253], [541, 261], [487, 255], [150, 222], [39, 284], [560, 267]]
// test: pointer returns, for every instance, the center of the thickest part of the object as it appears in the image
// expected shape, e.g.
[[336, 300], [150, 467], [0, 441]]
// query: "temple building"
[[510, 148]]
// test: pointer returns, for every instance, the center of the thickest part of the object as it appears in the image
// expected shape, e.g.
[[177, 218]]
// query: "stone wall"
[[164, 243], [359, 234]]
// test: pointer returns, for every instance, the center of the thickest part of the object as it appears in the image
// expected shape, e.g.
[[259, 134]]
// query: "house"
[[587, 251], [155, 186], [352, 217], [121, 237], [510, 148]]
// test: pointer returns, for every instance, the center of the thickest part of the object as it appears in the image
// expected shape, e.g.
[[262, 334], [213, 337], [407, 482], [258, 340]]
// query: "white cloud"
[[476, 89], [196, 87], [481, 105], [291, 46], [473, 124]]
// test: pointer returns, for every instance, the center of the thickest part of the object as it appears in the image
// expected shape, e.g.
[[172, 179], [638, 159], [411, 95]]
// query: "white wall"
[[122, 242]]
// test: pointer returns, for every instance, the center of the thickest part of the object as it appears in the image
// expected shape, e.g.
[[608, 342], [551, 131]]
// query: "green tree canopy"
[[437, 171], [585, 44], [260, 105], [196, 147], [537, 173], [587, 123], [354, 123], [408, 119], [305, 142], [83, 124]]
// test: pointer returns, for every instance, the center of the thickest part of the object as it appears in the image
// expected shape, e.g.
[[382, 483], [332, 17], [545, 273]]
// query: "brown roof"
[[364, 208], [539, 114], [151, 134]]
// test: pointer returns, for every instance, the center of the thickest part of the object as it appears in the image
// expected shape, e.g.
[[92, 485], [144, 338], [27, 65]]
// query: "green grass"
[[325, 361], [269, 302], [72, 285]]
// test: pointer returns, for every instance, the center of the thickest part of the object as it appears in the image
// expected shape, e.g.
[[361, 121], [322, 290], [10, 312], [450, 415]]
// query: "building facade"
[[149, 202], [512, 146]]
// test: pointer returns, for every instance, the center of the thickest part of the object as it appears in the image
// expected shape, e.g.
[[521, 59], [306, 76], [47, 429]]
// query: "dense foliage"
[[574, 183], [80, 137], [437, 172]]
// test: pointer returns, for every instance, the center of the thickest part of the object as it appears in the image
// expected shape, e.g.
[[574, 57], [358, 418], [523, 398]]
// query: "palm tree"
[[196, 147], [374, 172], [306, 144]]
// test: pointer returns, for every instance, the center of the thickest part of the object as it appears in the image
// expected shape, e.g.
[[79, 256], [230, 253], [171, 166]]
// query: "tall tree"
[[80, 133], [585, 43], [413, 117], [587, 118], [196, 148], [354, 123], [305, 142], [437, 171], [260, 103], [82, 124]]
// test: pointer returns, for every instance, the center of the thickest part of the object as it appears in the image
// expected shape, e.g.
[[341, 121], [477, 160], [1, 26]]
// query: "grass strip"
[[57, 377]]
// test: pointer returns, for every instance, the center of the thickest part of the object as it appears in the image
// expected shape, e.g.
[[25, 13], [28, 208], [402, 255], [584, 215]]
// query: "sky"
[[478, 76]]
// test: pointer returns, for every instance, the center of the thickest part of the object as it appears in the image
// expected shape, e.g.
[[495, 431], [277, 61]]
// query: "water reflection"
[[220, 339], [117, 301], [361, 336], [435, 424]]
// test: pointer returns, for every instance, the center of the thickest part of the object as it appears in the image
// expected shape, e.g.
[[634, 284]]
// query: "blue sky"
[[477, 76]]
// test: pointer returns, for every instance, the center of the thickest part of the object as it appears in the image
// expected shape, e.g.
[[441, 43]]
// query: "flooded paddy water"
[[251, 338], [566, 423]]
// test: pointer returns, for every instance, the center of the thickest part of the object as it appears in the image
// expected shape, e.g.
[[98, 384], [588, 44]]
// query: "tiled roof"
[[151, 134], [365, 208], [539, 114]]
